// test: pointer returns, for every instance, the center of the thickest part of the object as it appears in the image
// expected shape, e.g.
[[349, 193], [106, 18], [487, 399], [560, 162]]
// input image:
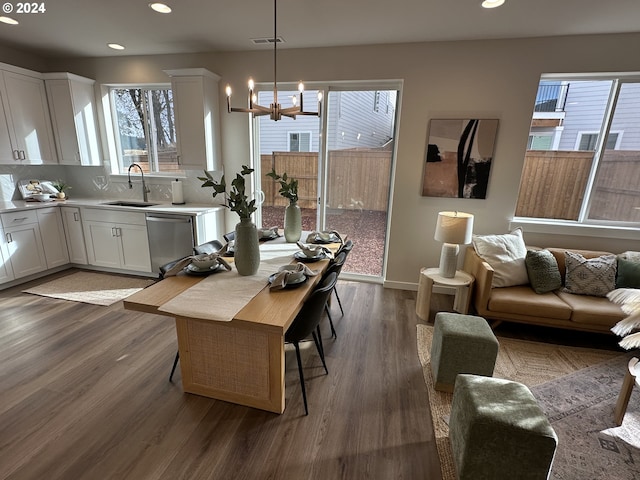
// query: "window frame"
[[587, 226], [299, 133], [118, 167]]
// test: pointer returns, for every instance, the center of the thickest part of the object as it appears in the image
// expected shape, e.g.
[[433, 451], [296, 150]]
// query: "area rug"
[[530, 363], [91, 287]]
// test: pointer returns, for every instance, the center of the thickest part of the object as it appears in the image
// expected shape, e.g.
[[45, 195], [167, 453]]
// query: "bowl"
[[204, 261], [41, 197]]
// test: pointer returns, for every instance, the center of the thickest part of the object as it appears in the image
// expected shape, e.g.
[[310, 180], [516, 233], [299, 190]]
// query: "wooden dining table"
[[241, 361]]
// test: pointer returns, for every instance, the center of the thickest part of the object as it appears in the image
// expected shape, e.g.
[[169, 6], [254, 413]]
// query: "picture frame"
[[458, 157]]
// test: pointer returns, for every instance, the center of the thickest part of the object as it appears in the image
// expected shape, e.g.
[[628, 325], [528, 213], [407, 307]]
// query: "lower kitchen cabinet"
[[75, 237], [116, 239], [24, 243], [6, 272], [53, 237]]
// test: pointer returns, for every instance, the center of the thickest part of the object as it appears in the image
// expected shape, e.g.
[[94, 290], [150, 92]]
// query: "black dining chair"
[[229, 236], [208, 247], [307, 322], [334, 267]]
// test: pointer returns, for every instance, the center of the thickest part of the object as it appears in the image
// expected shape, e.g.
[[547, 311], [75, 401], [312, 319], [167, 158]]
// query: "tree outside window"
[[145, 128]]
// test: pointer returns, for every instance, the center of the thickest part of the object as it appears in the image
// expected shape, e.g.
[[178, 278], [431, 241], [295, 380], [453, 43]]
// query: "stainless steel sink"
[[130, 203]]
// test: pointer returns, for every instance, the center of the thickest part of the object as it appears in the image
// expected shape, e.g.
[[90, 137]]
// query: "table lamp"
[[453, 229]]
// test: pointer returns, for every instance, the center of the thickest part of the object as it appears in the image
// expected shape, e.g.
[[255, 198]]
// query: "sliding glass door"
[[344, 175]]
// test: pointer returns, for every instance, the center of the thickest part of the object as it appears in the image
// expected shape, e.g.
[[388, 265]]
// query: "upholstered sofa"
[[557, 308]]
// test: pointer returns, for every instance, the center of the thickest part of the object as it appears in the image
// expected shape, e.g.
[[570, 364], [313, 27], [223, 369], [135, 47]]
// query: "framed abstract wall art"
[[458, 157]]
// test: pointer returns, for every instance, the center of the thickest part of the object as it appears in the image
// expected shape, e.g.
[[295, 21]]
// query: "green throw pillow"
[[543, 271], [628, 274]]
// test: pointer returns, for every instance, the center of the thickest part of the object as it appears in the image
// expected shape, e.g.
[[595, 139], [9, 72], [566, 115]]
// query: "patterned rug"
[[91, 287], [530, 363]]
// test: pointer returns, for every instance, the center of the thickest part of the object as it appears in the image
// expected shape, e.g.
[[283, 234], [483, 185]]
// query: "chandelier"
[[275, 110]]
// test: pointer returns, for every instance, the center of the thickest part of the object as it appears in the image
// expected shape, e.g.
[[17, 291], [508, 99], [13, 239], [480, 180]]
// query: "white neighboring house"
[[568, 115], [361, 119]]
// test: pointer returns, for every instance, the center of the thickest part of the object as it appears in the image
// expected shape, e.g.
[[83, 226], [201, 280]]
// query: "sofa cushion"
[[542, 268], [505, 253], [559, 253], [592, 276], [593, 310], [522, 300], [628, 274]]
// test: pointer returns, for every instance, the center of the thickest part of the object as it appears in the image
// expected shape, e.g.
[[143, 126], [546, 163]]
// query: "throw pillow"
[[628, 274], [544, 274], [593, 276], [505, 253]]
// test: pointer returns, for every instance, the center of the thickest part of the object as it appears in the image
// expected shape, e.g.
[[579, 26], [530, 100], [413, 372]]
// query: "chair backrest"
[[345, 247], [229, 236], [208, 247], [311, 313], [337, 264]]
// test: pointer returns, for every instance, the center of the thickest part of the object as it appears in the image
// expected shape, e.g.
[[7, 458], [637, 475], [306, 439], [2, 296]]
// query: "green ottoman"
[[461, 344], [498, 431]]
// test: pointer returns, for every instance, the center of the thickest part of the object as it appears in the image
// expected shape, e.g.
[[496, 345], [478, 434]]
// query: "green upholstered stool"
[[461, 344], [498, 431]]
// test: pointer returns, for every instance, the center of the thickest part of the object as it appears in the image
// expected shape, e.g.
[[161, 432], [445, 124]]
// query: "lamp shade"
[[454, 227]]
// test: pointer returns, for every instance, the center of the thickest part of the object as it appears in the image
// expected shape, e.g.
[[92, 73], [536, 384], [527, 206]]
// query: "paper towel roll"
[[176, 192]]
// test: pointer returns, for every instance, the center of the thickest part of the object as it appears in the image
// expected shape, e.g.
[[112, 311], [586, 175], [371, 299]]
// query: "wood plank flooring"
[[84, 394]]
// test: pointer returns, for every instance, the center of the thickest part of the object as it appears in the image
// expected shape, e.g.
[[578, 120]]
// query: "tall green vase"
[[292, 223], [246, 248]]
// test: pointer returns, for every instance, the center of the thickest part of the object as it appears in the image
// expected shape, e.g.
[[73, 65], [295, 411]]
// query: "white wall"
[[482, 79]]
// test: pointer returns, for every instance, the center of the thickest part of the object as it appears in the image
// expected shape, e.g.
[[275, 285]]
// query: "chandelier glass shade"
[[275, 110]]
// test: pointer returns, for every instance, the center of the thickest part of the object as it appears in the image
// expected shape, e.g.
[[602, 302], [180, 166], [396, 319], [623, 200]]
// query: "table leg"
[[232, 361], [423, 300]]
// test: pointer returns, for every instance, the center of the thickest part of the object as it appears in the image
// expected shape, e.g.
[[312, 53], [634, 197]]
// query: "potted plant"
[[246, 246], [61, 186], [292, 213]]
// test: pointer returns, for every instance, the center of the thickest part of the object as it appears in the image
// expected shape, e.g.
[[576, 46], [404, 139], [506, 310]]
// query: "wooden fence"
[[358, 178], [553, 185]]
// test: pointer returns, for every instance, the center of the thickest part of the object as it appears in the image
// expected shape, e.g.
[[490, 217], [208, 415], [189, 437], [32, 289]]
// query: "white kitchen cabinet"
[[73, 116], [74, 235], [29, 123], [116, 239], [197, 118], [6, 272], [24, 242], [53, 237]]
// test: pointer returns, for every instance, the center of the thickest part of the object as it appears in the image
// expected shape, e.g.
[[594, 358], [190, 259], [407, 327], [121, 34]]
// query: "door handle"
[[9, 238], [76, 217]]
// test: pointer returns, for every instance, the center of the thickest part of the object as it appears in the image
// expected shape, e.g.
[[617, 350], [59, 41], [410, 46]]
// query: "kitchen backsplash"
[[85, 183]]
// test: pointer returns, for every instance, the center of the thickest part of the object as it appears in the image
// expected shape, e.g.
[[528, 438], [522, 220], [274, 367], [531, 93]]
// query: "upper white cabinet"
[[195, 104], [27, 116], [73, 115]]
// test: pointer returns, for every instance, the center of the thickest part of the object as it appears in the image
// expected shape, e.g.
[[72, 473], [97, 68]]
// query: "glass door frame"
[[322, 188]]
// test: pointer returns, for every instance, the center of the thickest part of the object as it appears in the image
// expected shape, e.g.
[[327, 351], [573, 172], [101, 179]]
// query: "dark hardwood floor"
[[84, 394]]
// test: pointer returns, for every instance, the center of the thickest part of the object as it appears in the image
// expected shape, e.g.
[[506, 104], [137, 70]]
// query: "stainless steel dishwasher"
[[170, 237]]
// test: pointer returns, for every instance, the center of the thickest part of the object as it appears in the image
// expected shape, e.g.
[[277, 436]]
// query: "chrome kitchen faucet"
[[145, 190]]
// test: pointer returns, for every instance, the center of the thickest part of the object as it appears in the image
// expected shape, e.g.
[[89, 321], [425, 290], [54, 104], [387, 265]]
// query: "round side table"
[[462, 282]]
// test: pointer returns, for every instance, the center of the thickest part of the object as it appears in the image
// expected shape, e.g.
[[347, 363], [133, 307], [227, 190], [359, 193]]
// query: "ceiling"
[[78, 28]]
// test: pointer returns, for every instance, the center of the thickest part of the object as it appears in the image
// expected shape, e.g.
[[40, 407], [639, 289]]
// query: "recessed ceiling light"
[[9, 20], [492, 3], [160, 7], [115, 46]]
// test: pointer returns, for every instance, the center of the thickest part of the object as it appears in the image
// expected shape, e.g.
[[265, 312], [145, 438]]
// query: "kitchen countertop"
[[161, 207]]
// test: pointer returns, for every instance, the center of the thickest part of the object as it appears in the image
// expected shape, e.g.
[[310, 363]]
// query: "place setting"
[[311, 253], [292, 275], [324, 237], [202, 265]]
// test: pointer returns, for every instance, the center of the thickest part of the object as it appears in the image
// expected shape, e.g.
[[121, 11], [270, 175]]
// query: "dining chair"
[[208, 247], [307, 322], [335, 267], [229, 236], [345, 247]]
